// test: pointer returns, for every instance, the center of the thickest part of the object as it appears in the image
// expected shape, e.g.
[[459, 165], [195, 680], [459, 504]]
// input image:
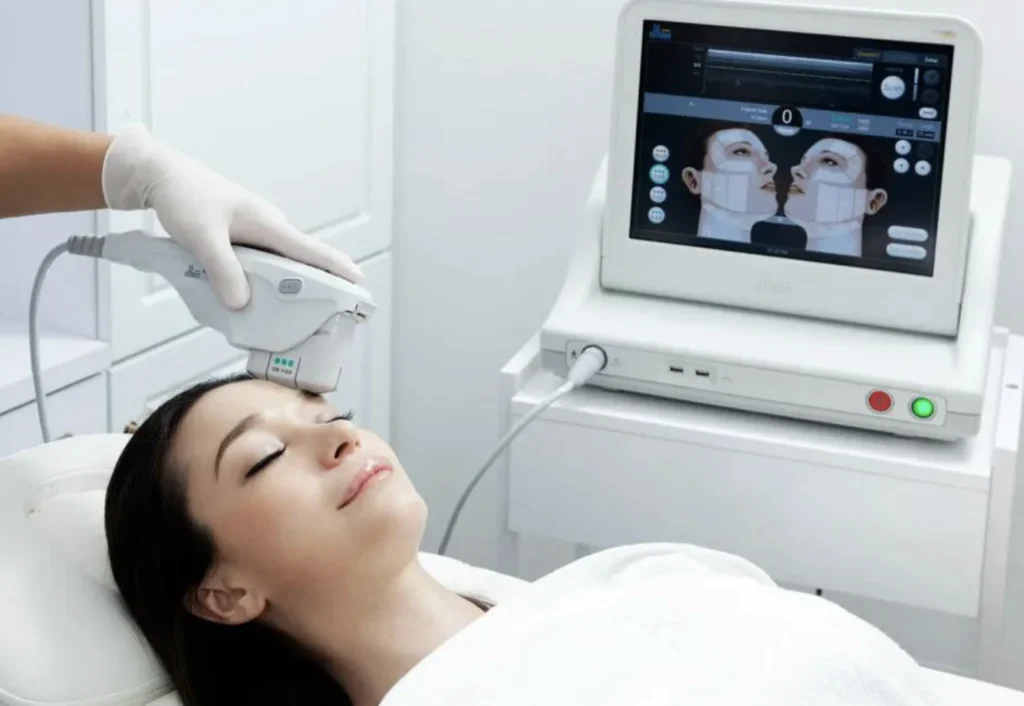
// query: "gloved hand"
[[205, 213]]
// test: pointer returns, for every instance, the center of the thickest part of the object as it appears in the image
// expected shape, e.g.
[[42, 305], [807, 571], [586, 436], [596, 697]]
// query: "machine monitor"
[[808, 160]]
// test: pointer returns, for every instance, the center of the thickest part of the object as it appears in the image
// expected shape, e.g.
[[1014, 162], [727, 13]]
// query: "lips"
[[768, 186], [372, 470], [795, 189]]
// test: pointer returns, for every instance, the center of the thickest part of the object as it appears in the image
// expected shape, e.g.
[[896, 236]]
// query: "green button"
[[923, 408]]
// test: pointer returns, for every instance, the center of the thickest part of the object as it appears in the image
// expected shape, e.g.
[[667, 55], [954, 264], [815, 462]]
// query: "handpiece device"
[[298, 325]]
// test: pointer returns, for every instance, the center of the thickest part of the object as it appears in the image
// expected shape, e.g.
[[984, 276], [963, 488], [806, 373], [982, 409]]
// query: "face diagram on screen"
[[830, 196], [736, 185], [802, 146]]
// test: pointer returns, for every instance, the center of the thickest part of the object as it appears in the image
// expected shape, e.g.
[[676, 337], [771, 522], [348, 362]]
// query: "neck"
[[843, 238], [720, 224], [368, 640]]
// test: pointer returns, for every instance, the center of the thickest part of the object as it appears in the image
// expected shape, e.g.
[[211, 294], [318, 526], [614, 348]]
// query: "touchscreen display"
[[791, 145]]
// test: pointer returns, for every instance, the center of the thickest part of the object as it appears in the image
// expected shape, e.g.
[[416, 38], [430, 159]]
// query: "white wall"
[[502, 117], [55, 85]]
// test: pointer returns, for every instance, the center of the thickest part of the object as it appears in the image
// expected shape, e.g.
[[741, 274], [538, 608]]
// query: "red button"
[[880, 401]]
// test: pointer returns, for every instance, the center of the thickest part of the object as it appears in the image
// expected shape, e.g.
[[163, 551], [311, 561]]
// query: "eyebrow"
[[236, 431], [245, 425]]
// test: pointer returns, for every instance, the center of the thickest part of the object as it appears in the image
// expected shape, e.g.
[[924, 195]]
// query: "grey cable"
[[502, 445], [590, 362], [33, 335], [91, 246]]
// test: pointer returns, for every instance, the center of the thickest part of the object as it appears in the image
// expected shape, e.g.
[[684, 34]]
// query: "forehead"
[[844, 149], [733, 135], [220, 409], [243, 398]]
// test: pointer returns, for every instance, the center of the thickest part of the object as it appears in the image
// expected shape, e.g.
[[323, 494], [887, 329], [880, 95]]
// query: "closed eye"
[[264, 462], [270, 458]]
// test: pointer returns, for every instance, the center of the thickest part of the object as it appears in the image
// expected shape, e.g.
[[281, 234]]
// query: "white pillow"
[[72, 525], [66, 638]]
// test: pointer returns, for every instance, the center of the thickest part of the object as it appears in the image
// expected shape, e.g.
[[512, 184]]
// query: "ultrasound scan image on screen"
[[791, 145]]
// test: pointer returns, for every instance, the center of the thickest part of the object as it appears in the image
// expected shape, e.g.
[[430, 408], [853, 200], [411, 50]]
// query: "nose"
[[768, 168], [798, 172], [337, 441]]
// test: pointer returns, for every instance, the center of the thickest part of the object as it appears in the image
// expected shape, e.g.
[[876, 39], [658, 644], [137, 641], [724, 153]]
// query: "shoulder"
[[605, 567], [652, 560], [472, 581]]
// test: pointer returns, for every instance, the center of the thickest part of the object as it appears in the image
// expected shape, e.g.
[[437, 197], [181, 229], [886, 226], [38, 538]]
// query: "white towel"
[[648, 625]]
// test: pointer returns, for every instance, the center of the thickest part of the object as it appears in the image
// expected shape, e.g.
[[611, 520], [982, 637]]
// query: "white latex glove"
[[205, 213]]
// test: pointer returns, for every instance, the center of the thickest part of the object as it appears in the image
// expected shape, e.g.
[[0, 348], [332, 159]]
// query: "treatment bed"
[[65, 637]]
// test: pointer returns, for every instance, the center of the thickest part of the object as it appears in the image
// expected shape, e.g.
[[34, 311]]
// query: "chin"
[[765, 209], [793, 207], [759, 198], [385, 545], [398, 523]]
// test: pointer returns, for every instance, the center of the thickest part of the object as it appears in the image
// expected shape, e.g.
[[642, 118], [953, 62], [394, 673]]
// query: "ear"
[[221, 600], [879, 198], [692, 180]]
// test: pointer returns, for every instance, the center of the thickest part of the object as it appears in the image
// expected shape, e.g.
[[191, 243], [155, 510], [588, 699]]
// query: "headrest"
[[66, 638]]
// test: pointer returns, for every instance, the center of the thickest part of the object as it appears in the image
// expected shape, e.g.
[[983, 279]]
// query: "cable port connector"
[[591, 361]]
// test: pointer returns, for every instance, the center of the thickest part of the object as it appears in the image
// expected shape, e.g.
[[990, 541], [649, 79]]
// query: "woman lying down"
[[268, 549]]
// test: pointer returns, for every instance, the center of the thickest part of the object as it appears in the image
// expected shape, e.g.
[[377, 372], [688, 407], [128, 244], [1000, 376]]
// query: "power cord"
[[88, 245], [591, 361]]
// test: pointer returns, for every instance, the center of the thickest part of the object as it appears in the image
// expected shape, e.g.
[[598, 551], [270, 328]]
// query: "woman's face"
[[293, 494], [738, 174]]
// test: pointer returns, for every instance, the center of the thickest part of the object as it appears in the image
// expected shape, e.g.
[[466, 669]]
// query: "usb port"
[[703, 373], [675, 369]]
